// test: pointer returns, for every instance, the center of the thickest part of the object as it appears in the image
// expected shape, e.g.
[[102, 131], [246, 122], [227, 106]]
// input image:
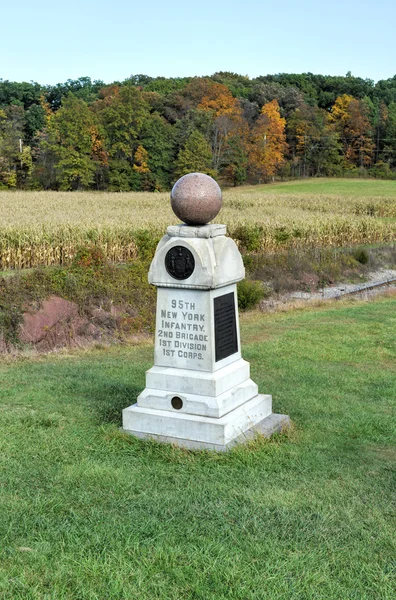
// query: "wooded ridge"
[[144, 133]]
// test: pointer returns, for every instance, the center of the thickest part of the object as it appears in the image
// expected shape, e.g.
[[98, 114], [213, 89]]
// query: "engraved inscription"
[[182, 331], [226, 341], [179, 262]]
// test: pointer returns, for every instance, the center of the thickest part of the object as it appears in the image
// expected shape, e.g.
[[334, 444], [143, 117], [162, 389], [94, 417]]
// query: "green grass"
[[325, 185], [89, 513]]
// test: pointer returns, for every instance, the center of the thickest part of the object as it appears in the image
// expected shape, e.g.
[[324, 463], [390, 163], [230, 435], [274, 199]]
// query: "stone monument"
[[199, 393]]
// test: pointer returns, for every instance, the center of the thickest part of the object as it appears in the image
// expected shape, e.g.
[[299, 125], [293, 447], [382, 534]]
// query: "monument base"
[[197, 432]]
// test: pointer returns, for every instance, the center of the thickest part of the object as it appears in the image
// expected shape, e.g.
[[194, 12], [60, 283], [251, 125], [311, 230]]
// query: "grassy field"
[[46, 228], [89, 513], [343, 187]]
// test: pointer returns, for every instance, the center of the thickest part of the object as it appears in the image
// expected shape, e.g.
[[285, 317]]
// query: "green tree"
[[236, 161], [378, 115], [314, 147], [322, 90], [82, 88], [158, 138], [15, 157], [385, 90], [71, 138], [389, 140], [196, 156], [34, 121], [122, 113], [19, 94]]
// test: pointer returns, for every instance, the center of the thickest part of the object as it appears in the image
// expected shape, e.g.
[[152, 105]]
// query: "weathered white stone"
[[274, 423], [217, 261], [202, 231], [199, 393], [204, 383], [218, 431], [184, 336], [197, 404]]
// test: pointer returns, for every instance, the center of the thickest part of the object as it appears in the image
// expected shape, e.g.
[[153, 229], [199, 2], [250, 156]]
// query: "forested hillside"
[[144, 133]]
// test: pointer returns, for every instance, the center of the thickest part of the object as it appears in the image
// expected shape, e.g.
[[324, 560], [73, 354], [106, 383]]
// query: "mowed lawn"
[[325, 185], [90, 513]]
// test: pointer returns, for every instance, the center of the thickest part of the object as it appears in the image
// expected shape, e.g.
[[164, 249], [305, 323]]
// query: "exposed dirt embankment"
[[96, 302], [90, 302], [57, 323]]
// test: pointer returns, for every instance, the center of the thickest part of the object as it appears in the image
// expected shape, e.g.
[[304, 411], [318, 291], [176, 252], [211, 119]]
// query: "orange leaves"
[[219, 100], [227, 122], [268, 142], [109, 92]]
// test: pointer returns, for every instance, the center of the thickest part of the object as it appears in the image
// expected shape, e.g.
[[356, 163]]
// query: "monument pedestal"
[[206, 433], [199, 393]]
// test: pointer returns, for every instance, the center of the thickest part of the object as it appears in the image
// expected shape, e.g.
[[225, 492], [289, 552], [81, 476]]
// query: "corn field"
[[47, 228]]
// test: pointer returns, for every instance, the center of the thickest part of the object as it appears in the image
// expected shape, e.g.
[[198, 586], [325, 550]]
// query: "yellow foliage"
[[141, 158], [9, 178], [340, 110], [219, 100], [46, 107], [268, 141], [350, 120], [98, 151]]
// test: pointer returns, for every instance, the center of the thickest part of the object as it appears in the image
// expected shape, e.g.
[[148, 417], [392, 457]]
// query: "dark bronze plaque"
[[226, 341], [179, 262]]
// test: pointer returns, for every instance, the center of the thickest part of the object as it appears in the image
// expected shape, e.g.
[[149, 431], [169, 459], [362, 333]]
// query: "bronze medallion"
[[179, 262]]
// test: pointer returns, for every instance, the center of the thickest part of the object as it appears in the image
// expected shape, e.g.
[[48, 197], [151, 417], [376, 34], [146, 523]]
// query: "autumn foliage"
[[350, 120], [144, 133], [218, 98], [268, 145]]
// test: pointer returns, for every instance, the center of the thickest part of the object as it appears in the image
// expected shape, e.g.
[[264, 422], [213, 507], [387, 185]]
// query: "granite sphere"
[[196, 199]]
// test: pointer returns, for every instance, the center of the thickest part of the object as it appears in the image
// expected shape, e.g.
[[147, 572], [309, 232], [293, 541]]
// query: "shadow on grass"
[[108, 400]]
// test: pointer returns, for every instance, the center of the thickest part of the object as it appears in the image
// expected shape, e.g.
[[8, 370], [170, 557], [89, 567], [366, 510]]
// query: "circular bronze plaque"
[[179, 262]]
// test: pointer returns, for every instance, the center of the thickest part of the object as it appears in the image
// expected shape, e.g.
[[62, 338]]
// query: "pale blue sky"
[[110, 40]]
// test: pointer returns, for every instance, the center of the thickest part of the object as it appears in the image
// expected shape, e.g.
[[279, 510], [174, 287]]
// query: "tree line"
[[144, 133]]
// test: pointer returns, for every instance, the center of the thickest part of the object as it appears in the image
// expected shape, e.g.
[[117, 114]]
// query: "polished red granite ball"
[[196, 199]]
